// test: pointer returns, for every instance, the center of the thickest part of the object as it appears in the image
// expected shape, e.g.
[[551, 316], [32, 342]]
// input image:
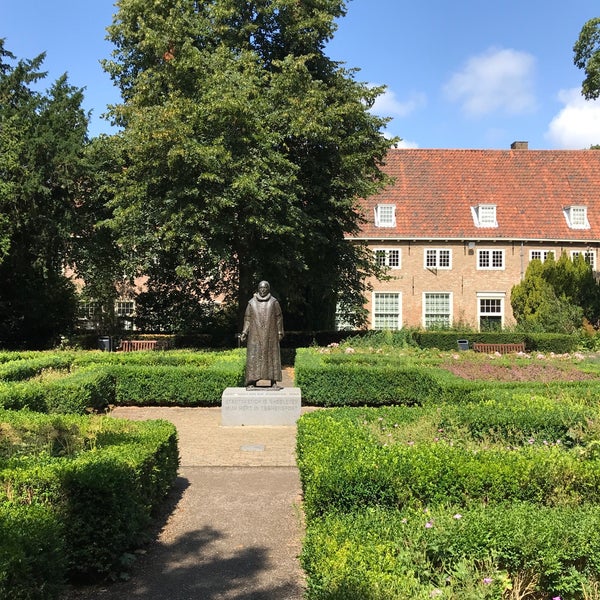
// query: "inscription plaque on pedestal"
[[240, 406]]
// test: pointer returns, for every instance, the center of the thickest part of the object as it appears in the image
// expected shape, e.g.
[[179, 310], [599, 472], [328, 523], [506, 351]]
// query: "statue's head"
[[263, 289]]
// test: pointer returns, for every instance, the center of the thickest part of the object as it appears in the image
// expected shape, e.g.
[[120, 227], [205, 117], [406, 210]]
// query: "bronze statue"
[[263, 327]]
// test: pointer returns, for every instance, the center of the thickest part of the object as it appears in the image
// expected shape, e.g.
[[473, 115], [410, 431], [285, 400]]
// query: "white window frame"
[[493, 296], [436, 253], [491, 252], [426, 312], [388, 261], [543, 255], [588, 255], [385, 215], [485, 215], [577, 217], [119, 305], [394, 319]]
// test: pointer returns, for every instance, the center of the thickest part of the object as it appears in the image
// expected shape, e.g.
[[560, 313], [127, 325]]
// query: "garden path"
[[233, 526]]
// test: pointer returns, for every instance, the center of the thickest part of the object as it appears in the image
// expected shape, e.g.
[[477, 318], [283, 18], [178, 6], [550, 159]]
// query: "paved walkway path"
[[234, 525]]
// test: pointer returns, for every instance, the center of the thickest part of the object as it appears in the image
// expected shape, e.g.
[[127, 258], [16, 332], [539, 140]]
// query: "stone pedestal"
[[240, 406]]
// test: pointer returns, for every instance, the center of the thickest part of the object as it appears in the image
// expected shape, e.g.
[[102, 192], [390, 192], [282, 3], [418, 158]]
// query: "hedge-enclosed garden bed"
[[482, 482], [77, 488]]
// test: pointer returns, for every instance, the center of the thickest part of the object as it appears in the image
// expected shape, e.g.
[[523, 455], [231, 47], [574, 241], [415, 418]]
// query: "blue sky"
[[460, 74]]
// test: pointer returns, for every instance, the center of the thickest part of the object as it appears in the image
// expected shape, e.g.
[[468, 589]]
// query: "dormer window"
[[576, 217], [484, 215], [385, 215]]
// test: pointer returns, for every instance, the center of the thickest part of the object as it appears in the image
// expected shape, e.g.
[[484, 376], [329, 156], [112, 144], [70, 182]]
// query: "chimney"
[[519, 146]]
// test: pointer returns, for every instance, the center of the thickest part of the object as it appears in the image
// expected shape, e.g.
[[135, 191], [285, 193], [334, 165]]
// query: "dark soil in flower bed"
[[488, 371]]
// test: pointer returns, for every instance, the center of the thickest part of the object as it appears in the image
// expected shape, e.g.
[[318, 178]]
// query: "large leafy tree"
[[245, 149], [42, 136], [587, 57]]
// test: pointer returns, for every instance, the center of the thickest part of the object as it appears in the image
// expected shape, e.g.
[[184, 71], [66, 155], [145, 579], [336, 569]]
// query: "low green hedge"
[[99, 379], [534, 342], [32, 552], [76, 392], [100, 477], [183, 386], [339, 379], [452, 501], [450, 552], [158, 358], [346, 465], [25, 368]]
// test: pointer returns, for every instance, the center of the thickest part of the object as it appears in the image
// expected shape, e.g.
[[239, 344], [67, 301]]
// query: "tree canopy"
[[245, 149], [42, 136], [587, 57]]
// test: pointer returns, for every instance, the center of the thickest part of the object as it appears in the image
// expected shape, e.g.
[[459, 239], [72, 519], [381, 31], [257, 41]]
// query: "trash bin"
[[105, 344], [463, 344]]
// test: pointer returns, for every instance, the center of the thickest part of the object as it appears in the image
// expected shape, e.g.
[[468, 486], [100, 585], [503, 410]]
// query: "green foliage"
[[555, 296], [451, 501], [42, 137], [32, 550], [450, 552], [243, 150], [587, 57], [100, 477]]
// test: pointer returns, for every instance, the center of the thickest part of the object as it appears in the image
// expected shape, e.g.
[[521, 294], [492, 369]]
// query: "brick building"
[[457, 229]]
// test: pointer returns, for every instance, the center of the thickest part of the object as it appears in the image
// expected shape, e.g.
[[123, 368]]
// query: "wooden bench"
[[131, 345], [500, 348]]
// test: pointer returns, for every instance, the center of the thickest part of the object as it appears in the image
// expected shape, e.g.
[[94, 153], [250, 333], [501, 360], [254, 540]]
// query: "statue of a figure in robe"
[[263, 328]]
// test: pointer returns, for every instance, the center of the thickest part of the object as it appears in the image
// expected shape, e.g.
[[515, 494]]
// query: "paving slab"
[[232, 527]]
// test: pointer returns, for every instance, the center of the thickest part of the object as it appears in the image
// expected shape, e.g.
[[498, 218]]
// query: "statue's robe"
[[263, 324]]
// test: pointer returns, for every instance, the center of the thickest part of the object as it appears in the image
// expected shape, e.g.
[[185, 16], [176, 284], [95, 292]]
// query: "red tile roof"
[[434, 191]]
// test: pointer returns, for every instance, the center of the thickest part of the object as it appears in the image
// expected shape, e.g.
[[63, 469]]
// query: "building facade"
[[456, 230]]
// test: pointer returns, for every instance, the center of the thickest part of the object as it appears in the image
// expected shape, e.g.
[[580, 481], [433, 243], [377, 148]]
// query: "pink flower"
[[428, 525], [487, 580]]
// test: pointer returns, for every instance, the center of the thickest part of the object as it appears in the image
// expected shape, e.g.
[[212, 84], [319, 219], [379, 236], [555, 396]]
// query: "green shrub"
[[24, 368], [165, 385], [334, 379], [343, 466], [32, 551], [74, 392], [482, 552], [101, 477]]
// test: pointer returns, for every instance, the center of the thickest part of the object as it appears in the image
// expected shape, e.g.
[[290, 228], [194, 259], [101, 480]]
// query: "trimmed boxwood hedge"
[[99, 379], [534, 342], [93, 480], [468, 513], [452, 552], [344, 466]]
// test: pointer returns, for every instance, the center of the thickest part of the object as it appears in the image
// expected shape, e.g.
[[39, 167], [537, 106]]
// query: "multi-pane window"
[[388, 257], [385, 215], [577, 217], [484, 215], [438, 258], [124, 308], [387, 310], [540, 255], [491, 311], [437, 309], [88, 310], [588, 255], [490, 259]]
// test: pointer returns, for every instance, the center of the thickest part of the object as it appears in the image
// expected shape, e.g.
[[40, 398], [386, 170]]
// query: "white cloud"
[[388, 104], [497, 80], [577, 125]]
